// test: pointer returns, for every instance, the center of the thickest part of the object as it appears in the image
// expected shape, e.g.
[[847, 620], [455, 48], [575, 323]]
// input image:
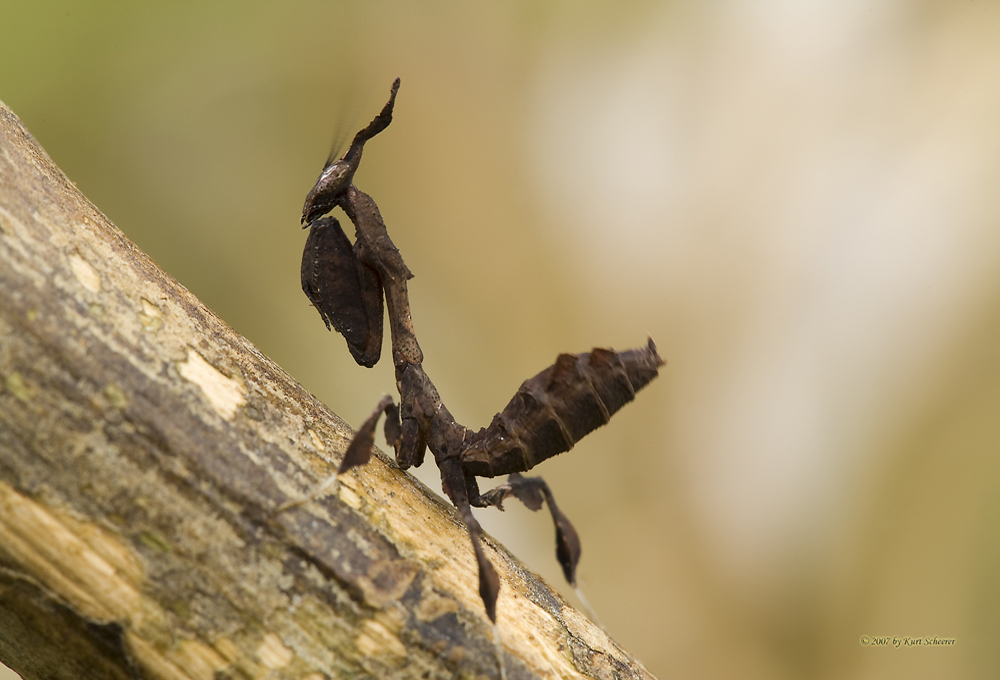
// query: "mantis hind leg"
[[533, 492]]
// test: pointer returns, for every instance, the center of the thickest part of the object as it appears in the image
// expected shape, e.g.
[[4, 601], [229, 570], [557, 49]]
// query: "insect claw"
[[499, 651], [494, 497], [311, 496], [591, 614]]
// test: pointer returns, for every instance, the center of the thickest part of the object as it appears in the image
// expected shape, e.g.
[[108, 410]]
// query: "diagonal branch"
[[144, 447]]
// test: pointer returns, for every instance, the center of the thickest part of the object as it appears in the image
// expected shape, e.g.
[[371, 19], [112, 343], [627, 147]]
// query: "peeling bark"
[[144, 447]]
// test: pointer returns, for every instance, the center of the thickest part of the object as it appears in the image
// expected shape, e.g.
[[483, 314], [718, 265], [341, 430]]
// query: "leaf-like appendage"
[[567, 544], [344, 290], [359, 451]]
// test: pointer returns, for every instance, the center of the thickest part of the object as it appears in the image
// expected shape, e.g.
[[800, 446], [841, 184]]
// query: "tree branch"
[[144, 447]]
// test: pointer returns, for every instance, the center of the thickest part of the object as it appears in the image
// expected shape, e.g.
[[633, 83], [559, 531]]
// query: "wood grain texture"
[[144, 446]]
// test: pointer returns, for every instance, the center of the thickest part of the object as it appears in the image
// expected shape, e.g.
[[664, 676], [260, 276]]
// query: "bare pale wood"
[[144, 448]]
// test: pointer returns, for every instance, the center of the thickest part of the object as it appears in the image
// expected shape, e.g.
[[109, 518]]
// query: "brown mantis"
[[547, 416]]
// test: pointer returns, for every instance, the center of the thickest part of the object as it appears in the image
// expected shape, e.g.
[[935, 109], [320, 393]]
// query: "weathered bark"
[[144, 447]]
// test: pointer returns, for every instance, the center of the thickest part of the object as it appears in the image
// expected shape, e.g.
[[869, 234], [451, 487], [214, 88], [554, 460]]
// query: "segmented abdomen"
[[556, 408]]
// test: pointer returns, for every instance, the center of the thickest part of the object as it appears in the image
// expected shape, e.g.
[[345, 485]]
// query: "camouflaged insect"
[[549, 413]]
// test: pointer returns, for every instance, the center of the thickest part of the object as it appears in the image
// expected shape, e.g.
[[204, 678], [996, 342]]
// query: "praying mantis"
[[550, 412]]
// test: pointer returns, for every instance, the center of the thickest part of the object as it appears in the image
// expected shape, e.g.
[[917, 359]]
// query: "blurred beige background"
[[800, 202]]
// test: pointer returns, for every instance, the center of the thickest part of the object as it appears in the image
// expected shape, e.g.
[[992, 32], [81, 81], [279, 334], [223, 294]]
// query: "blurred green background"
[[797, 200]]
